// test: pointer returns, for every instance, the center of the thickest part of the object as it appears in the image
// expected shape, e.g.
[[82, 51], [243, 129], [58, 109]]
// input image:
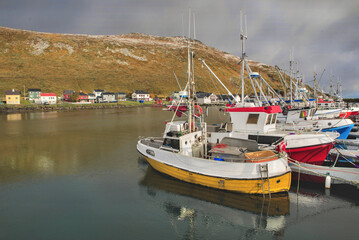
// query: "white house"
[[121, 96], [108, 97], [91, 97], [48, 98], [206, 98], [140, 95], [98, 92]]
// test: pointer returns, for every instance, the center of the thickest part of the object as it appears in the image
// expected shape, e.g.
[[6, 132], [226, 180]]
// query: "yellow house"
[[12, 96]]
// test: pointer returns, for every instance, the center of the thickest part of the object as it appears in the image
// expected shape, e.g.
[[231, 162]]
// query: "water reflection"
[[248, 211], [59, 143], [193, 210], [42, 115], [14, 117]]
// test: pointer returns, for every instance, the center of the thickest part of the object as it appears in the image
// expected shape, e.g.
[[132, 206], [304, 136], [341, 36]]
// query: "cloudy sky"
[[322, 34]]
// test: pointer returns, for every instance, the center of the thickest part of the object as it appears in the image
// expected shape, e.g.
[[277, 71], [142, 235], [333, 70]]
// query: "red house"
[[83, 97], [67, 94]]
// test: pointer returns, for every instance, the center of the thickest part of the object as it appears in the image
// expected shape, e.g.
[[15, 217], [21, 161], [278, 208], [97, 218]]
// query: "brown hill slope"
[[55, 62]]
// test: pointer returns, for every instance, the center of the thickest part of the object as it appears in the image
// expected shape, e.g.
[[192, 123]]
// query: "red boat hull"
[[312, 155], [348, 114]]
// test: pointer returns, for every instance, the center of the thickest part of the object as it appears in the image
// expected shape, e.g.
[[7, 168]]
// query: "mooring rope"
[[297, 163]]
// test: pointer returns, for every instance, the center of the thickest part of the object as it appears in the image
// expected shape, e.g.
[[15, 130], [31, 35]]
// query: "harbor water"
[[78, 175]]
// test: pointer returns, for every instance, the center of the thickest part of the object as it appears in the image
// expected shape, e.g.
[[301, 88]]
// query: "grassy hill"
[[56, 62]]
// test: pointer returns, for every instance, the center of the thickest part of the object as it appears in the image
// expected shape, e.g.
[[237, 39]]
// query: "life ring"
[[199, 110], [281, 147]]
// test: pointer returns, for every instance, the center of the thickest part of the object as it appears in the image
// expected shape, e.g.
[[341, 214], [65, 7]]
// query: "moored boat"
[[260, 124], [184, 153], [305, 119]]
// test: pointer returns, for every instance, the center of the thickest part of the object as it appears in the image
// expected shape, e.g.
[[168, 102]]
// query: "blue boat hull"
[[343, 130]]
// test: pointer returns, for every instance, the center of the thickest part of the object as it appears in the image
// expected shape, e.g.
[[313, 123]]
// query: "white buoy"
[[328, 181]]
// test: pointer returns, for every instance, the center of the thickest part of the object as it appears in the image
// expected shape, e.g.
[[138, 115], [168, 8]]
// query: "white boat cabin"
[[296, 115], [177, 139], [254, 119]]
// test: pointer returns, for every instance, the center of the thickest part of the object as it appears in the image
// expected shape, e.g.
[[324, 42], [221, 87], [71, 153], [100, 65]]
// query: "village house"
[[175, 95], [139, 95], [91, 97], [224, 98], [48, 98], [83, 97], [98, 93], [121, 96], [178, 95], [12, 96], [109, 97], [66, 95], [206, 98], [33, 94]]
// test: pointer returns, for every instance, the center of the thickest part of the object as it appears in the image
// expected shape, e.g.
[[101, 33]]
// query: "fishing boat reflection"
[[183, 200]]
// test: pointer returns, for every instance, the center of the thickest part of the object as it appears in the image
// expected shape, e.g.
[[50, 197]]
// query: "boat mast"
[[243, 36], [283, 81], [189, 74], [315, 90], [291, 76]]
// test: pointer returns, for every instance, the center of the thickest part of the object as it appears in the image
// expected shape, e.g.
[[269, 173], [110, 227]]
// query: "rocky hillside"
[[55, 62]]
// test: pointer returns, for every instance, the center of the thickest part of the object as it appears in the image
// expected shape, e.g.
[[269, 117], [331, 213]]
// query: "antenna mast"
[[291, 75], [194, 26], [243, 37]]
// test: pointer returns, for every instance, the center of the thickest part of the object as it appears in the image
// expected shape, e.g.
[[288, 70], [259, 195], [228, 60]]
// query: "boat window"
[[173, 143], [269, 117], [252, 118], [311, 113], [274, 117]]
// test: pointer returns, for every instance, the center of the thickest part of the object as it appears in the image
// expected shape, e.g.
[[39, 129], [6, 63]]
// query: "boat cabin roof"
[[266, 109]]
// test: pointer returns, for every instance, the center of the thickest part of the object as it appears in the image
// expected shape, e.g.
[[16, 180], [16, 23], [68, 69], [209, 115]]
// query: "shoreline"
[[4, 109]]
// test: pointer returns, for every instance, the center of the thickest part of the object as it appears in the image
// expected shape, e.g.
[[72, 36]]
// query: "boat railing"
[[169, 149], [245, 158], [155, 142], [226, 159]]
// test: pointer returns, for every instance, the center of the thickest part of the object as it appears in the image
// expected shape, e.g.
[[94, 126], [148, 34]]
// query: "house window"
[[15, 97], [8, 98], [252, 118]]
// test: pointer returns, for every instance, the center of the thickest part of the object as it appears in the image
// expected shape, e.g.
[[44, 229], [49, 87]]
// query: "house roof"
[[12, 92], [33, 90], [99, 90], [224, 97], [83, 94], [108, 93], [202, 94], [121, 93], [47, 94], [68, 92], [140, 92]]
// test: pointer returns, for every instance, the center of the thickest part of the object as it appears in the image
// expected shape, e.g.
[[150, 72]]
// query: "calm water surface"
[[77, 175]]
